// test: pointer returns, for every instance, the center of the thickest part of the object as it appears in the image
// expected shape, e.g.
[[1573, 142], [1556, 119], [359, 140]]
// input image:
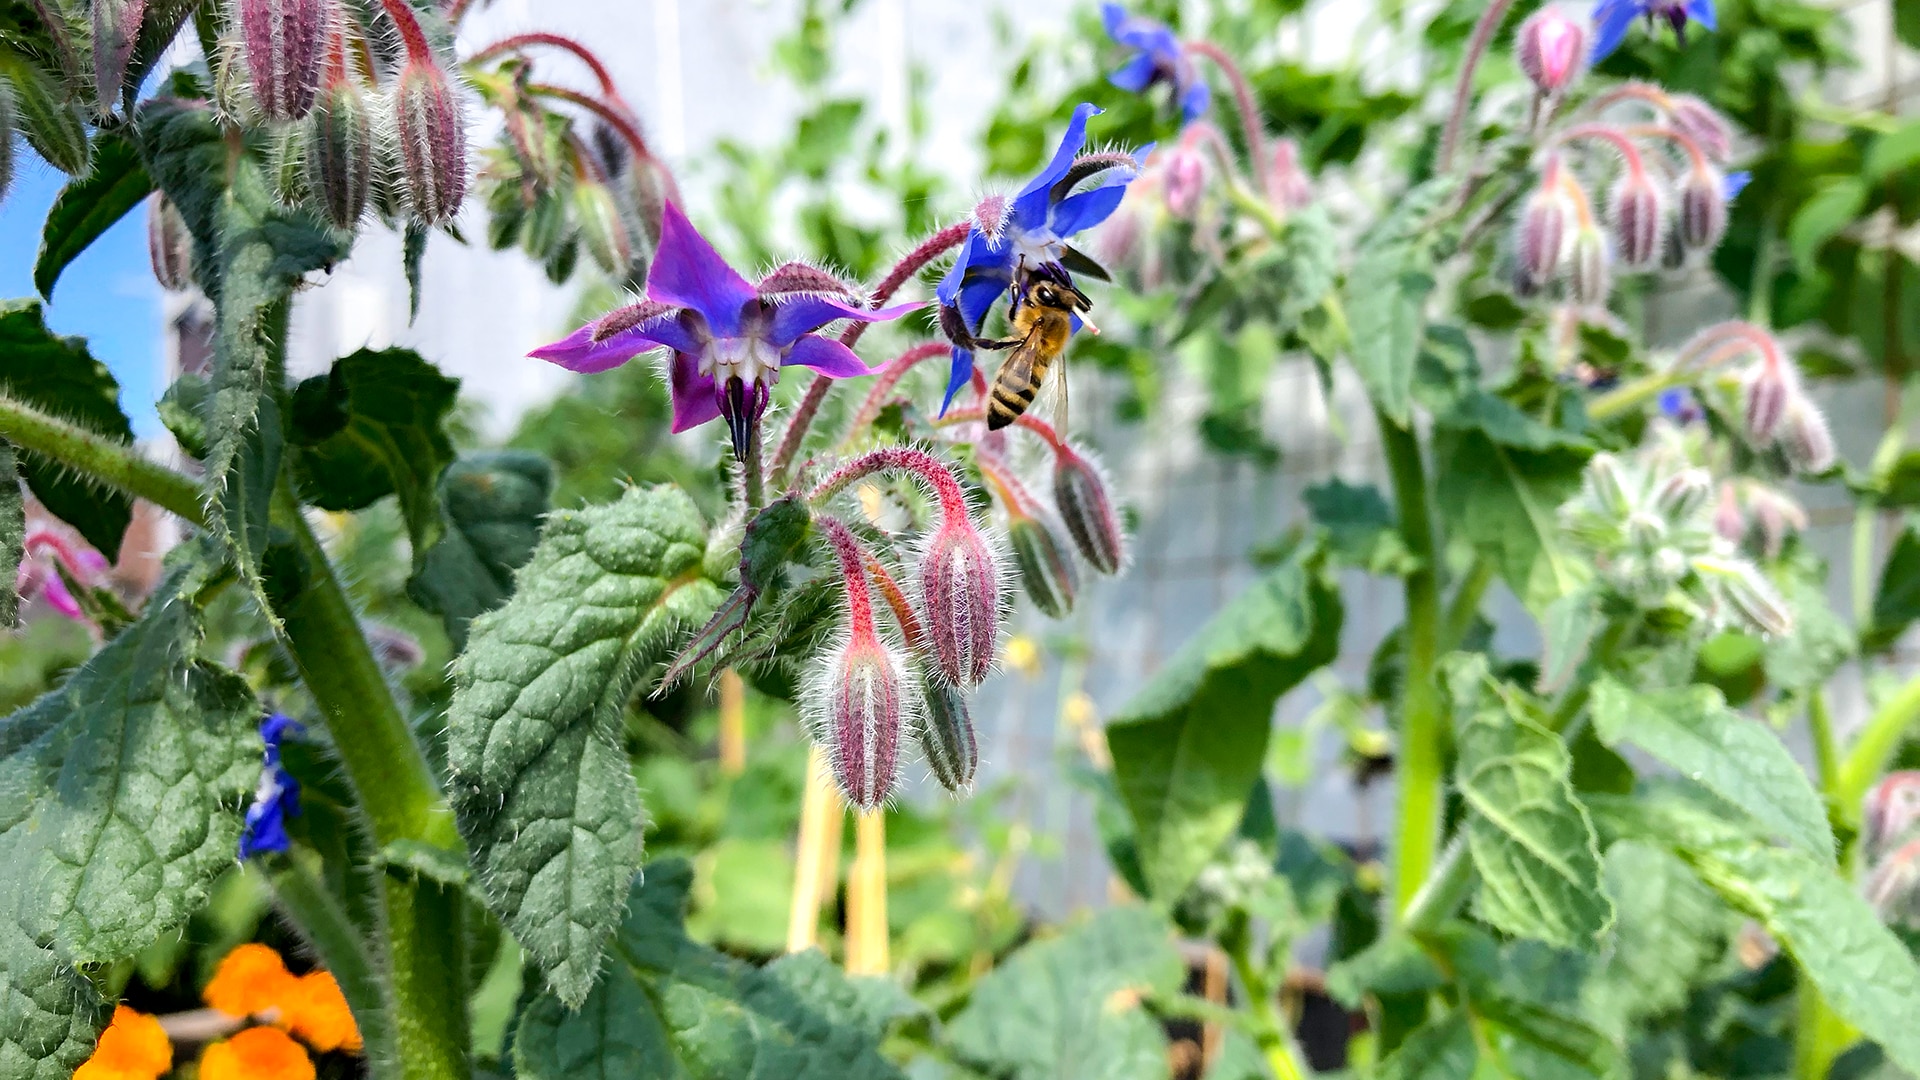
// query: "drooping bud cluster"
[[1080, 492], [1890, 847], [959, 583], [861, 700], [283, 42], [169, 244], [1773, 406], [1551, 49], [1186, 181], [116, 29], [1652, 531], [433, 141], [340, 149]]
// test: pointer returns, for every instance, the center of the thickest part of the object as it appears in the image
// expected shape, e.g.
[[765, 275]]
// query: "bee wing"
[[1050, 397]]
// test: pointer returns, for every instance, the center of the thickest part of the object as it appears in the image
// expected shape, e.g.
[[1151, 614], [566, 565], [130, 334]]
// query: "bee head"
[[1059, 296]]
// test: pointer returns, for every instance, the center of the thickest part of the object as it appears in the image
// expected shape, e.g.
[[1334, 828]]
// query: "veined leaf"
[[57, 375], [89, 205], [1670, 927], [666, 1006], [1067, 1008], [1738, 759], [1387, 295], [493, 504], [122, 791], [1437, 1050], [539, 775], [1505, 502], [1188, 748]]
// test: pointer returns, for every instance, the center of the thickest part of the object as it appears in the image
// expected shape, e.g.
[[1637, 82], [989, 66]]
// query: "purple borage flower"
[[729, 339], [1160, 59], [1615, 17], [1015, 240], [278, 796]]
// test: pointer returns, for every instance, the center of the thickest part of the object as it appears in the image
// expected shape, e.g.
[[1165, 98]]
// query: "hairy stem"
[[1243, 103], [113, 463], [427, 934], [342, 948], [1483, 32], [1423, 732], [1271, 1034], [585, 55], [1466, 602], [883, 384]]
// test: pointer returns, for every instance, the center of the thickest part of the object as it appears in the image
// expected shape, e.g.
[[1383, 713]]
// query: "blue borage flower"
[[1678, 404], [1160, 59], [1013, 241], [1615, 17], [278, 796], [1732, 184]]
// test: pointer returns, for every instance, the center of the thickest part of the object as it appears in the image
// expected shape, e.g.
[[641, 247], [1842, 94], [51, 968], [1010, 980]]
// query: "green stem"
[[116, 464], [754, 469], [1445, 891], [342, 948], [1574, 697], [1422, 720], [1862, 557], [1466, 602], [1826, 756], [1632, 395], [1819, 1036], [1874, 747], [1272, 1036], [426, 926]]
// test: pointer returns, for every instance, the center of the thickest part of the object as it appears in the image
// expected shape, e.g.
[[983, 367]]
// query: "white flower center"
[[744, 358]]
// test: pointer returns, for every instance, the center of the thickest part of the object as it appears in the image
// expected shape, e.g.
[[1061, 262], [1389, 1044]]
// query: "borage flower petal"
[[1161, 59]]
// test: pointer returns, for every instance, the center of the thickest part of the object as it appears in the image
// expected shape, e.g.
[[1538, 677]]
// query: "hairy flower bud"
[[1700, 122], [1590, 268], [959, 583], [1288, 185], [596, 214], [861, 699], [1046, 569], [1893, 886], [1080, 490], [1551, 48], [169, 244], [1728, 520], [1186, 181], [1703, 209], [946, 735], [1764, 394], [433, 142], [1646, 528], [1634, 211], [1603, 478], [1749, 593], [1891, 813], [1540, 238], [340, 150], [1683, 493], [282, 40], [116, 29], [1805, 437], [6, 138]]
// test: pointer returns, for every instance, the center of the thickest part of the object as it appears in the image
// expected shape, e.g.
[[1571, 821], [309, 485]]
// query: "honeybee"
[[1042, 320]]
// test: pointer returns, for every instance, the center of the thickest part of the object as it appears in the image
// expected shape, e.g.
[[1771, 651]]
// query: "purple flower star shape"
[[1014, 240], [728, 338], [1615, 17], [1159, 59], [277, 797]]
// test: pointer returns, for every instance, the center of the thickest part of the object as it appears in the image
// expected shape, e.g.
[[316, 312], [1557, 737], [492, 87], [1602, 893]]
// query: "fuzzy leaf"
[[666, 1006], [539, 773], [89, 205], [1437, 1050], [493, 504], [119, 806], [1387, 295], [57, 375], [1066, 1008], [1505, 502], [1527, 832], [1669, 928], [375, 426], [50, 120], [13, 535], [1188, 748], [1738, 759]]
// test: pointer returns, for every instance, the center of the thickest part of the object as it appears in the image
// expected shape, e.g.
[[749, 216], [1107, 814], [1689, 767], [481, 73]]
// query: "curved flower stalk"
[[51, 560]]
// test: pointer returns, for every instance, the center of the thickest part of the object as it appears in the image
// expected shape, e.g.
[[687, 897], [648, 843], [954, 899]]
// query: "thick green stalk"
[[113, 463], [426, 934], [1466, 602], [1874, 747], [1445, 891], [343, 950], [1274, 1039], [1820, 1036], [1423, 734]]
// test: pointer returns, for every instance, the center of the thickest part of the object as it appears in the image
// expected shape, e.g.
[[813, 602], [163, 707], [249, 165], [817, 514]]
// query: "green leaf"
[[183, 408], [88, 206], [868, 1004], [1692, 731], [122, 792], [1436, 1050], [1360, 526], [375, 426], [50, 120], [1669, 928], [666, 1006], [1839, 200], [57, 375], [1188, 748], [1906, 24], [1862, 969], [493, 504], [1387, 295], [743, 888], [1505, 502], [539, 771], [1503, 422], [1065, 1008], [1897, 603], [1895, 152], [1526, 830], [1547, 1043], [13, 536]]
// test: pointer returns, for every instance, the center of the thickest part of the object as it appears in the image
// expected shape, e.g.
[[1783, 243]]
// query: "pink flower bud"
[[1635, 212], [1703, 209], [863, 696], [1891, 812], [990, 216], [946, 735], [959, 601], [1893, 886], [1288, 185], [1080, 490], [340, 148], [1728, 521], [1186, 181], [1540, 238], [282, 41], [1805, 437], [1775, 516], [1551, 48], [1764, 394], [169, 244], [433, 141], [116, 29], [1590, 268], [7, 120], [1706, 127], [1046, 569]]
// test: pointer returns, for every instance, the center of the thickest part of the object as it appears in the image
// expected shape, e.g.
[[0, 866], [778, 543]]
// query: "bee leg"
[[997, 344]]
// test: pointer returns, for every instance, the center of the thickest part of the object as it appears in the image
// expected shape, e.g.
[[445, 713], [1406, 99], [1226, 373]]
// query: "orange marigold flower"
[[250, 979], [316, 1011], [134, 1047], [258, 1053]]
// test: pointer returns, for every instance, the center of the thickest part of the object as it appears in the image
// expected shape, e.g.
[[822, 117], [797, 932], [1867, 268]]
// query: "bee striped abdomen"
[[1013, 389]]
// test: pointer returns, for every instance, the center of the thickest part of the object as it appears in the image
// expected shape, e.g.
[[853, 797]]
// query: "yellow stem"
[[733, 723], [867, 898], [817, 855]]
